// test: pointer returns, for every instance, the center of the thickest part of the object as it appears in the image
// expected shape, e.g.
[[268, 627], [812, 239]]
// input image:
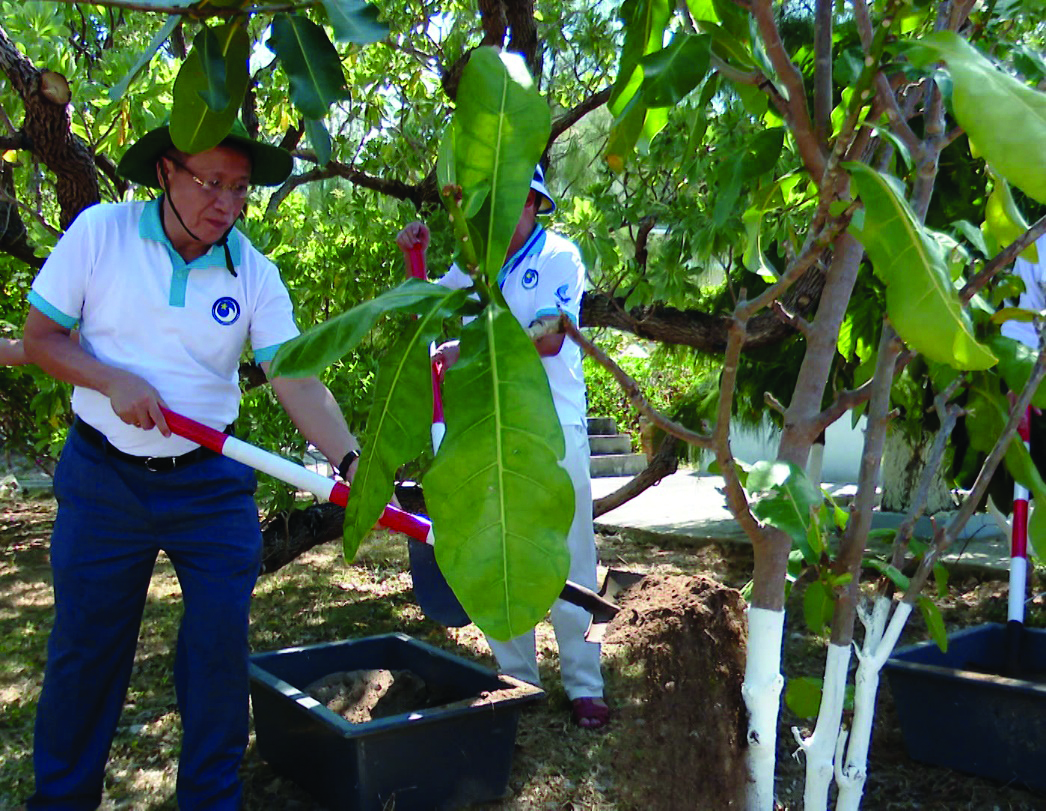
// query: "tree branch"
[[579, 111], [1002, 259], [797, 112], [631, 388]]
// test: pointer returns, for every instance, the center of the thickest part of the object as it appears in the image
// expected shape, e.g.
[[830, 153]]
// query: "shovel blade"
[[614, 582]]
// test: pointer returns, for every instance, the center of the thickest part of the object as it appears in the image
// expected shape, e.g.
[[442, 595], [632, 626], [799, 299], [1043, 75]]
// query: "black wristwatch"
[[346, 463]]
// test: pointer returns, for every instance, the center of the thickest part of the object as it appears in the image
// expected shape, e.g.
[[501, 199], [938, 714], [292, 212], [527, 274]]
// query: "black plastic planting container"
[[443, 757], [956, 712]]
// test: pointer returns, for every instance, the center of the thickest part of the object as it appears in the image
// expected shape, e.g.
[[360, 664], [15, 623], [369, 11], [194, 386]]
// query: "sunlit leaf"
[[320, 346], [500, 129], [895, 575], [921, 301], [782, 496], [1004, 118], [398, 423], [1004, 220], [500, 504]]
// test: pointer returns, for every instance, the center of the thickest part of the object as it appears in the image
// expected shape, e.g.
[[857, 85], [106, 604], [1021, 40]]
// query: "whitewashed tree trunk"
[[879, 643], [820, 747], [761, 692]]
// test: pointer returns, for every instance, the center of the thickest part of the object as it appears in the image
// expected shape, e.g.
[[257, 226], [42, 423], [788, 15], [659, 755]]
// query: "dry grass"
[[318, 598]]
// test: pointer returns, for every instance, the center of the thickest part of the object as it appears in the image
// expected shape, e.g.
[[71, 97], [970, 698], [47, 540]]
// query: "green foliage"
[[498, 133], [782, 496], [207, 90], [1003, 118], [500, 505], [398, 426], [311, 62], [922, 304], [665, 378]]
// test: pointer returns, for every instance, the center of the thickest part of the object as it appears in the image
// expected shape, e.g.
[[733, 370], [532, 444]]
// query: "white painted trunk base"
[[880, 640], [761, 692], [821, 746]]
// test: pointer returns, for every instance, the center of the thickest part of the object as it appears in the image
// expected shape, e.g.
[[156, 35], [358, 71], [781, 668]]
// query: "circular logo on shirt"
[[530, 279], [226, 310]]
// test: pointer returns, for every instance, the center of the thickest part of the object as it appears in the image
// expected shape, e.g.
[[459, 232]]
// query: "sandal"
[[590, 713]]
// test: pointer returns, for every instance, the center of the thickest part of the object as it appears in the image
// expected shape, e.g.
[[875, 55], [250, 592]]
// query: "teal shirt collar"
[[534, 244], [150, 226]]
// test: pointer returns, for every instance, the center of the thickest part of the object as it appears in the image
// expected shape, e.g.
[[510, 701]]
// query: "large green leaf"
[[782, 496], [501, 506], [671, 73], [644, 22], [921, 302], [215, 93], [398, 425], [1004, 119], [500, 129], [355, 21], [311, 63], [117, 90], [195, 127], [317, 348]]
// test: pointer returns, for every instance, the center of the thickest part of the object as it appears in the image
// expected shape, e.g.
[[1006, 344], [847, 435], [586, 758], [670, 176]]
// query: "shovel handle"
[[418, 528], [414, 526]]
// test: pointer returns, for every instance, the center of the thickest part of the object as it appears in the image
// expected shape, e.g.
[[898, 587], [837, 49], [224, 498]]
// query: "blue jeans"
[[113, 519]]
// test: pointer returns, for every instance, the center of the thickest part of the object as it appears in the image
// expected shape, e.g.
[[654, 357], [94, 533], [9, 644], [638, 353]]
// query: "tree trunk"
[[903, 463]]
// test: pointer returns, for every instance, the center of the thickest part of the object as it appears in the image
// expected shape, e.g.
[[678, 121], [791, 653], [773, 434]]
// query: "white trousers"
[[578, 659]]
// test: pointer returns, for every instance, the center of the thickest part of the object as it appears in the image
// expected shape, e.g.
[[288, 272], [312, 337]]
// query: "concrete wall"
[[842, 451]]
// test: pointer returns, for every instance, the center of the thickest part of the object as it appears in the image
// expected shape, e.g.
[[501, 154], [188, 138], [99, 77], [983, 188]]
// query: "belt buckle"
[[165, 463]]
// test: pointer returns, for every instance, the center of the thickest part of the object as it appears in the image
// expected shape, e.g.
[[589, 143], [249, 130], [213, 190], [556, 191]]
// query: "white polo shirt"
[[1033, 297], [542, 278], [181, 326]]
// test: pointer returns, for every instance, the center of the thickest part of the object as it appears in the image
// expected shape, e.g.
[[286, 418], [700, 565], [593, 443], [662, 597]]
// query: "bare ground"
[[555, 766]]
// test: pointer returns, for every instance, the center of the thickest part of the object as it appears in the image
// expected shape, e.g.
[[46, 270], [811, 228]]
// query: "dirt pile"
[[681, 736], [359, 696]]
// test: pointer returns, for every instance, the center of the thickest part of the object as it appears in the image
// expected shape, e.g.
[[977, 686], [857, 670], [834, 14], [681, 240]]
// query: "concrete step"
[[601, 426], [599, 444], [617, 464]]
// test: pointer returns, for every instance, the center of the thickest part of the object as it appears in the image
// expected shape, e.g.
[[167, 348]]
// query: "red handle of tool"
[[416, 260], [414, 526]]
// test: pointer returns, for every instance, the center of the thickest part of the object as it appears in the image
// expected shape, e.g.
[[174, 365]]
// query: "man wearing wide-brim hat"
[[164, 293]]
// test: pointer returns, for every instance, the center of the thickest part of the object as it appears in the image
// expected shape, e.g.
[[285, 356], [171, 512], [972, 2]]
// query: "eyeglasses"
[[213, 188]]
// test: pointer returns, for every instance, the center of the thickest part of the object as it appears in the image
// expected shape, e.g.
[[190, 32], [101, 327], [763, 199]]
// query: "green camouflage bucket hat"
[[270, 165]]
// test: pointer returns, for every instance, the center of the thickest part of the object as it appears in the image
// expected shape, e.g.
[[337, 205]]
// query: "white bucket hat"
[[547, 205]]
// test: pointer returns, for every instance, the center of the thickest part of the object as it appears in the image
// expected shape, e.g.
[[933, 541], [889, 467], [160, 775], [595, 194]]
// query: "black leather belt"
[[156, 464]]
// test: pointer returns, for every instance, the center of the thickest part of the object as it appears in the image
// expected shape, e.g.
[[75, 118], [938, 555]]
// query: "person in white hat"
[[542, 277], [165, 293]]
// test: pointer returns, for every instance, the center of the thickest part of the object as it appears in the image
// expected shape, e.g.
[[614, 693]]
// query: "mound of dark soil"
[[681, 739]]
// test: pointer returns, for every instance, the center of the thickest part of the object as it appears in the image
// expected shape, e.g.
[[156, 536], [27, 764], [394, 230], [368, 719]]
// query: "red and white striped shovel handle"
[[1019, 537], [414, 526]]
